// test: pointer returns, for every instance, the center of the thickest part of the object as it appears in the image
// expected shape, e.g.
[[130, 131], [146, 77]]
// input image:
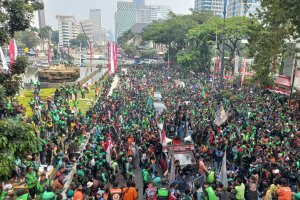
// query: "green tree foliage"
[[235, 30], [44, 33], [280, 24], [54, 37], [130, 49], [15, 15], [126, 37], [174, 34], [11, 81], [80, 39], [16, 140], [29, 39], [148, 53]]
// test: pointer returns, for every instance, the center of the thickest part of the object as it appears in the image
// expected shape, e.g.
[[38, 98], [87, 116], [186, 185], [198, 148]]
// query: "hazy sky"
[[80, 9]]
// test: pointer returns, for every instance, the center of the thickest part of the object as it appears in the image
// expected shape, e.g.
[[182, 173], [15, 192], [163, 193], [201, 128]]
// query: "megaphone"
[[168, 141], [160, 126], [188, 139]]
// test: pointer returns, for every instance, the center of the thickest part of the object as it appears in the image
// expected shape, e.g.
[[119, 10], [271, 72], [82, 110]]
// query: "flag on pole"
[[108, 58], [115, 57], [13, 51], [243, 71], [163, 136], [112, 68], [221, 116], [69, 49], [49, 52], [116, 49], [3, 59], [223, 173]]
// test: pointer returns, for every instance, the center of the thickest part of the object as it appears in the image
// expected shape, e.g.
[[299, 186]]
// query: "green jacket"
[[146, 175], [211, 195], [23, 197], [41, 187], [31, 179], [48, 196]]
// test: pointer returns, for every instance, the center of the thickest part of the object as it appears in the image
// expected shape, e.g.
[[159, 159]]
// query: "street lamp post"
[[223, 38]]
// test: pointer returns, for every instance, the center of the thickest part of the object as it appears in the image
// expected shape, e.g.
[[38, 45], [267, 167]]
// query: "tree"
[[236, 30], [279, 25], [126, 37], [44, 33], [130, 50], [79, 39], [55, 37], [148, 53], [29, 38], [16, 140], [16, 15], [173, 32]]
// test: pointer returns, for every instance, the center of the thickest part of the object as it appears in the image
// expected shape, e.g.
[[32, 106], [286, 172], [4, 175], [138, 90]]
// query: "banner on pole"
[[221, 116], [108, 58], [3, 59]]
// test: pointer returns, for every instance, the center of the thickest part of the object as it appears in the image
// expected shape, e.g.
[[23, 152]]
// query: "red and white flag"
[[163, 137], [91, 54], [108, 58], [13, 51], [115, 57]]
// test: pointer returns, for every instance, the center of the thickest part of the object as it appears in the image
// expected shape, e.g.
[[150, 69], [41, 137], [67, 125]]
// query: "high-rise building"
[[242, 8], [139, 4], [125, 17], [67, 29], [103, 37], [143, 15], [88, 27], [41, 16], [158, 12], [215, 6], [95, 18]]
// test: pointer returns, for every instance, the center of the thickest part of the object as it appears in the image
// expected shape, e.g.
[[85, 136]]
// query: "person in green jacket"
[[146, 178], [209, 192], [42, 186], [32, 181], [22, 196], [48, 194], [239, 189]]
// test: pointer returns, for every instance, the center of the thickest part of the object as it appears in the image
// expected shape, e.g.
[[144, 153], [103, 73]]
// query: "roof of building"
[[139, 27]]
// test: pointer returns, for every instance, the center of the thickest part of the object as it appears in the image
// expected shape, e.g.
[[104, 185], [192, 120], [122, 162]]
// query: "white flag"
[[4, 62], [221, 116], [223, 173], [112, 68], [16, 49]]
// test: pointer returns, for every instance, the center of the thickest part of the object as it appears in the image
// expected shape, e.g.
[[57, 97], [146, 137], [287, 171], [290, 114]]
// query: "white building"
[[215, 6], [159, 12], [88, 28], [95, 18], [125, 17], [242, 8], [67, 29], [143, 15], [103, 37]]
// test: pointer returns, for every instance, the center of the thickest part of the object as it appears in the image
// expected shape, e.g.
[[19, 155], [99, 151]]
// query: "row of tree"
[[17, 138], [193, 39]]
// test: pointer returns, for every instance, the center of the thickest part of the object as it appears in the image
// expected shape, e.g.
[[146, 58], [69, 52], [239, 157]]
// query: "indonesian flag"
[[243, 72], [3, 59], [13, 51], [112, 58], [108, 147], [49, 53], [115, 57], [108, 58]]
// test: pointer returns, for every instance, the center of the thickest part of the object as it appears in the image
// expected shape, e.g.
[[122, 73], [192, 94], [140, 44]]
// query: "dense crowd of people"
[[260, 141]]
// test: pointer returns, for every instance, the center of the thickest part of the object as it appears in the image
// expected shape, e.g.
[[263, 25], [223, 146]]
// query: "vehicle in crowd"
[[42, 64]]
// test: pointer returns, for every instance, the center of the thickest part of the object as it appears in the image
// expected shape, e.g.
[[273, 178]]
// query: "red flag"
[[243, 72], [163, 136], [49, 52], [12, 51], [108, 57], [115, 57]]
